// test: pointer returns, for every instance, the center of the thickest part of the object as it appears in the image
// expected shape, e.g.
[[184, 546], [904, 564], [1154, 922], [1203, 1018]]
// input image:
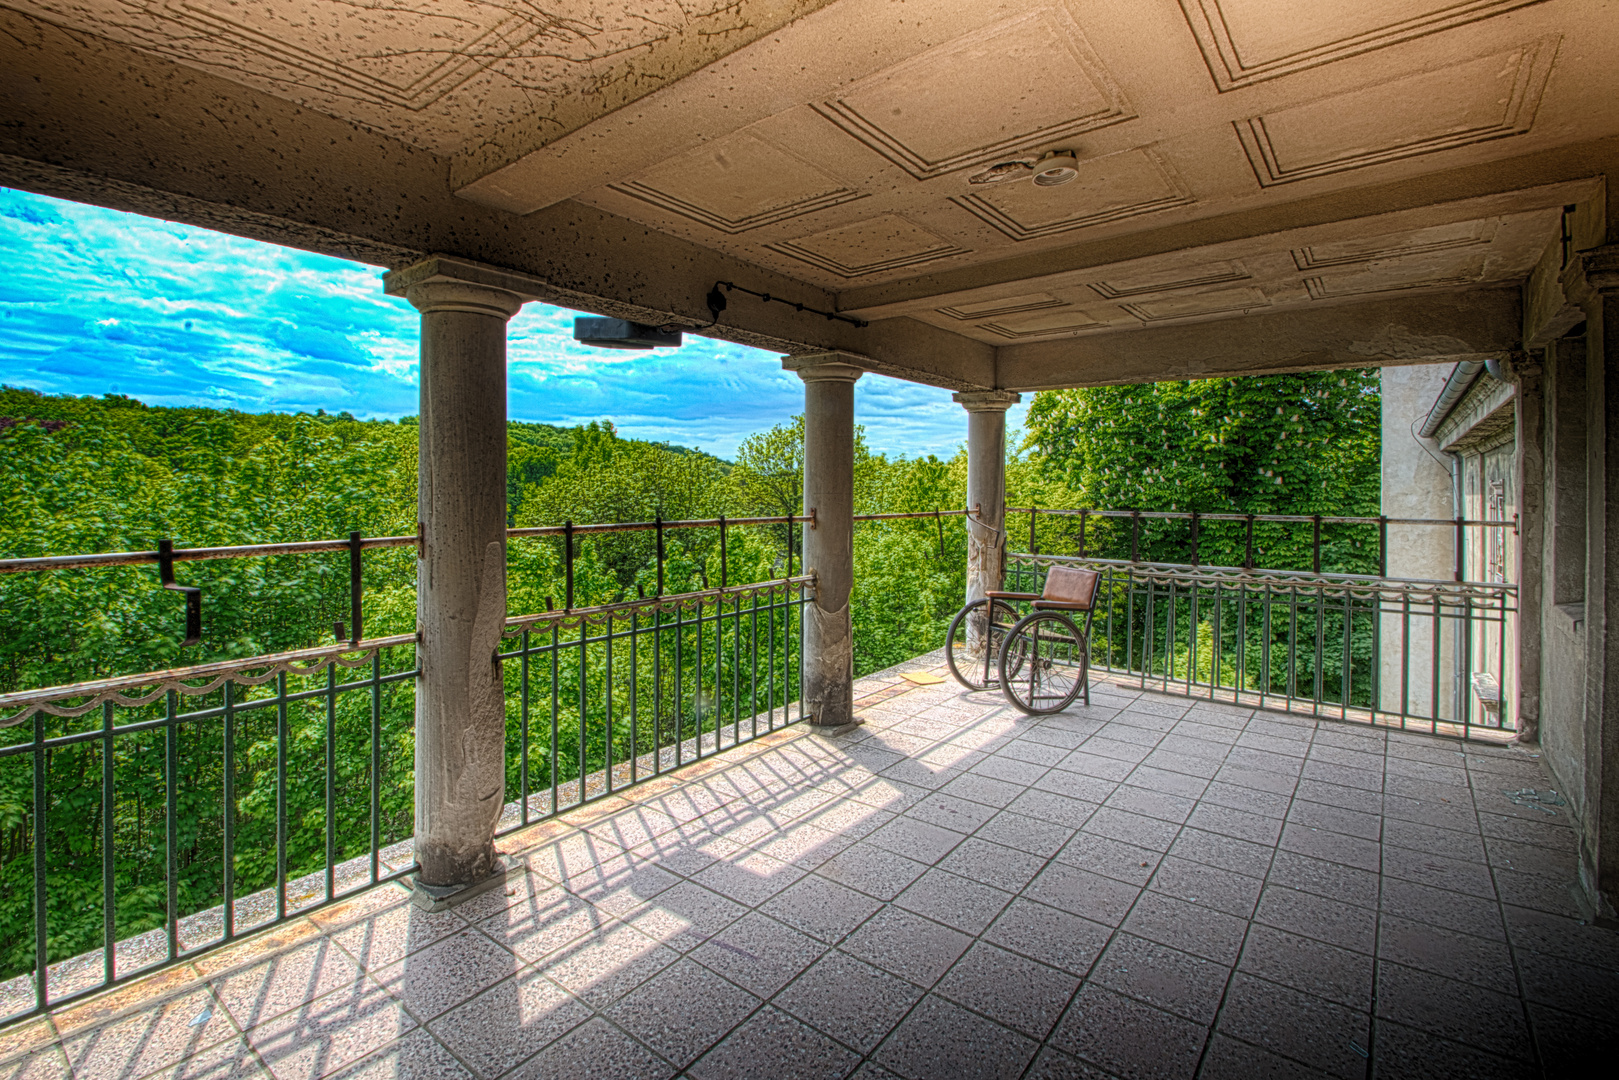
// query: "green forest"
[[80, 474]]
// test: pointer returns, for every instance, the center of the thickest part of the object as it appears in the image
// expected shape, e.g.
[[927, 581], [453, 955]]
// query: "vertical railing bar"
[[171, 830], [1320, 647], [331, 779], [1383, 545], [109, 864], [584, 707], [554, 758], [567, 566], [1405, 655], [680, 703], [1348, 674], [376, 765], [724, 571], [657, 686], [635, 694], [608, 680], [753, 686], [42, 958], [228, 825], [523, 676], [281, 796], [1266, 598], [736, 672], [657, 528], [1438, 638]]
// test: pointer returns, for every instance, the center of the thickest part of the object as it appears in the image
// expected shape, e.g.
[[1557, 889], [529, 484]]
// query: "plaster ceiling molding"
[[1158, 281], [1249, 41], [1111, 188], [1046, 324], [444, 74], [738, 184], [1474, 101], [1216, 302], [1011, 305], [1012, 86], [885, 242], [1430, 241], [1395, 278]]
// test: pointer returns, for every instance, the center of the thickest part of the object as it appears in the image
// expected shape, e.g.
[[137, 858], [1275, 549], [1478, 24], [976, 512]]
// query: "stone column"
[[1592, 281], [986, 494], [460, 584], [1530, 436], [828, 675]]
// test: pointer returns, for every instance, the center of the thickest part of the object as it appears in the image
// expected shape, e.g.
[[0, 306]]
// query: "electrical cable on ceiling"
[[717, 304]]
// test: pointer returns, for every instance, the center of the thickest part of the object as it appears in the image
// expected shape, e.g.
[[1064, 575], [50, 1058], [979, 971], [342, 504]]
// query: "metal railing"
[[182, 808], [1353, 646]]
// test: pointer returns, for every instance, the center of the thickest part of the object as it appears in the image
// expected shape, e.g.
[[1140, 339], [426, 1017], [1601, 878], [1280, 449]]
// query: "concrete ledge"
[[432, 898]]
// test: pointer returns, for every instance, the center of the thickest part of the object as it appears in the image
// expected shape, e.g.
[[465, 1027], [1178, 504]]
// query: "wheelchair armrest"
[[1011, 596]]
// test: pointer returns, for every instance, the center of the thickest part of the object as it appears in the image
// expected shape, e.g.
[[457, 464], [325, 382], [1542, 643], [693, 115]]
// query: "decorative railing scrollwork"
[[144, 689]]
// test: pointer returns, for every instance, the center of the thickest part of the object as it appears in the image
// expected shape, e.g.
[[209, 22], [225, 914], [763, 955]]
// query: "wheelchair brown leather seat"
[[1068, 588]]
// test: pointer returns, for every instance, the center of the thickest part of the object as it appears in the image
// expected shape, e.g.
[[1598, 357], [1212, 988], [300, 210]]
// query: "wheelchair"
[[1040, 661]]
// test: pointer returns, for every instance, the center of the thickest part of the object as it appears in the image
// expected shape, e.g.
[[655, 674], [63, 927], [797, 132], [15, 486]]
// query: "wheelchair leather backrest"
[[1071, 585]]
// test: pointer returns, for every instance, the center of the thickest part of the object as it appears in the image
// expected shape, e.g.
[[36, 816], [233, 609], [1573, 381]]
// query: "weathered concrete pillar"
[[986, 493], [1591, 280], [461, 583], [828, 676], [1530, 436]]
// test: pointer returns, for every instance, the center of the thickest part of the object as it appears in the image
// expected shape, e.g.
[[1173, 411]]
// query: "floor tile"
[[1404, 1053], [949, 812], [1010, 989], [775, 1044], [1442, 951], [939, 1040], [150, 1039], [508, 1022], [1080, 892], [603, 966], [682, 1011], [1110, 858], [1223, 890], [285, 981], [1132, 828], [327, 1034], [447, 973], [596, 1050], [955, 901], [1129, 1038], [1317, 917], [1228, 853], [685, 916], [1229, 1059], [821, 908], [1461, 1012], [1177, 982], [850, 1000], [915, 839], [1191, 928], [749, 879], [1349, 884], [872, 870], [543, 923], [759, 954], [907, 945], [1308, 1029], [1309, 966], [1043, 838], [1053, 937]]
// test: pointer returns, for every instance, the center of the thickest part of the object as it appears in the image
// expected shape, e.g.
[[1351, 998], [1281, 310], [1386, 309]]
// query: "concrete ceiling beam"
[[1430, 329]]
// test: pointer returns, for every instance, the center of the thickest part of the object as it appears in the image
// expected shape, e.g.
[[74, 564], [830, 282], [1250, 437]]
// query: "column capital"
[[825, 367], [987, 400], [1591, 274], [445, 284]]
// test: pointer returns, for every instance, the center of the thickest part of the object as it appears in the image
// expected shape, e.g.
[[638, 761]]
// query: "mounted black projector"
[[622, 334]]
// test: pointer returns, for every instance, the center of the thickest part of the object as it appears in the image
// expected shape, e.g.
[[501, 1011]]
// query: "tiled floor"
[[1146, 888]]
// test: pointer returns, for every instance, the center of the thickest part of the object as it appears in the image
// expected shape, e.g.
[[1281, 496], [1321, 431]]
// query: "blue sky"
[[96, 301]]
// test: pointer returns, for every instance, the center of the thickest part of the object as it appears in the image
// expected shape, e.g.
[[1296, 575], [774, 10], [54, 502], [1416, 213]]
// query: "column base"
[[835, 729], [433, 898]]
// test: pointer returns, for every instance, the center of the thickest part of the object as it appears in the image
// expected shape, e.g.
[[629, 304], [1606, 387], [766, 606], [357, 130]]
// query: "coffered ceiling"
[[837, 147]]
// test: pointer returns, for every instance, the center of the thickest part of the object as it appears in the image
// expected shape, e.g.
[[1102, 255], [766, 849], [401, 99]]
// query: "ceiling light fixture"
[[623, 334], [1057, 167]]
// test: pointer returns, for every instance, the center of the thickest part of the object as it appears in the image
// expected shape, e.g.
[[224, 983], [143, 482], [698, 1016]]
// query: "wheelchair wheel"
[[972, 651], [1044, 663]]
